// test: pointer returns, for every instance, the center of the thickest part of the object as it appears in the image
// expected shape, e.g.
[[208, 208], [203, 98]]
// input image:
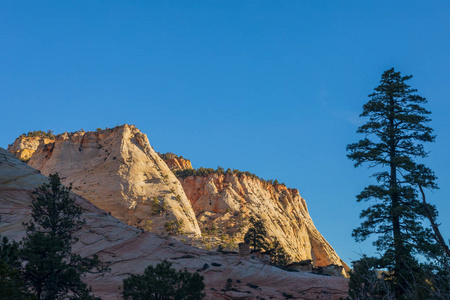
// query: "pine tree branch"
[[437, 232]]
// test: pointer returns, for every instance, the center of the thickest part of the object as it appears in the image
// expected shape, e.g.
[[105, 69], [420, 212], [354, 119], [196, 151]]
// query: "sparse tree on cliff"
[[278, 256], [256, 234], [396, 129], [51, 270]]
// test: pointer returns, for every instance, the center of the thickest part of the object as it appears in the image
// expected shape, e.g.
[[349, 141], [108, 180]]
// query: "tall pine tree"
[[395, 132], [51, 270]]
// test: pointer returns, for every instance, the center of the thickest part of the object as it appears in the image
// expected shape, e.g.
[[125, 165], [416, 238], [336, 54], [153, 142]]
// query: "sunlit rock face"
[[175, 162], [128, 250], [227, 201], [118, 170], [24, 147]]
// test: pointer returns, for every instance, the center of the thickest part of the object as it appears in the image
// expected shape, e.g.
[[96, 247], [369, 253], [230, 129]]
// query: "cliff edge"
[[118, 170]]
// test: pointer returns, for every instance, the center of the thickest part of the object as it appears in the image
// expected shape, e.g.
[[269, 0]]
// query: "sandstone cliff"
[[225, 202], [24, 146], [128, 250], [118, 170], [175, 162]]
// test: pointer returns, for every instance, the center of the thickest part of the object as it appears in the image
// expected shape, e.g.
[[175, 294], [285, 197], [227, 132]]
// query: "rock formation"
[[175, 162], [118, 170], [226, 202], [24, 146], [128, 250]]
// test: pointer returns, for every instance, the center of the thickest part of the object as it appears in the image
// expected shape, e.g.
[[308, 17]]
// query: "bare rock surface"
[[118, 170], [129, 250], [23, 147], [175, 162], [227, 201]]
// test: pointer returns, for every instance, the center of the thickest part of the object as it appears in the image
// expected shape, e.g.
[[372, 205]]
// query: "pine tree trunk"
[[395, 202]]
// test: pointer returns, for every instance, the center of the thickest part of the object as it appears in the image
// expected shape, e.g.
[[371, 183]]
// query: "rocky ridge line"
[[128, 250], [118, 170], [226, 202]]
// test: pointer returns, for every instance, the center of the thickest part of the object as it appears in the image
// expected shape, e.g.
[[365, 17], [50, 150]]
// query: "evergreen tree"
[[256, 234], [51, 270], [278, 256], [12, 285], [164, 282], [367, 281], [394, 135]]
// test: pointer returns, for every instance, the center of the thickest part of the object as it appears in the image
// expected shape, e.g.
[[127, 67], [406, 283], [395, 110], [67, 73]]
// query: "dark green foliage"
[[287, 296], [221, 171], [51, 270], [163, 282], [256, 234], [158, 207], [278, 256], [228, 285], [39, 133], [394, 135], [367, 281], [12, 285], [175, 227], [370, 280], [169, 155]]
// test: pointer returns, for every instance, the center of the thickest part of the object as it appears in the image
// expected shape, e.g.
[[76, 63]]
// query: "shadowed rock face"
[[128, 250], [228, 201], [118, 170]]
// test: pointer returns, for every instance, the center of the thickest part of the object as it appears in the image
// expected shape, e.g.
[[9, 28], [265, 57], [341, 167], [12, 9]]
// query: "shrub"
[[39, 133], [174, 226], [220, 171], [158, 207], [163, 282]]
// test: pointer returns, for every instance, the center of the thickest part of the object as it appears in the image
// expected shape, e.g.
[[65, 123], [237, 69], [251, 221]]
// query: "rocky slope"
[[226, 202], [118, 170], [128, 250]]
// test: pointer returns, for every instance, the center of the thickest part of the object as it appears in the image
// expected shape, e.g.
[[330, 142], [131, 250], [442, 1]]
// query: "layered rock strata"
[[128, 250], [118, 170], [225, 202]]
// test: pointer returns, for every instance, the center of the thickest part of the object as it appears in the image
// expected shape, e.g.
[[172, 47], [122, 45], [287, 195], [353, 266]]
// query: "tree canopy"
[[51, 270], [393, 146], [256, 234], [163, 282]]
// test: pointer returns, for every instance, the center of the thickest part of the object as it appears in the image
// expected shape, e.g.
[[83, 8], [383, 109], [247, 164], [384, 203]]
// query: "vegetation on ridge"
[[169, 155], [221, 171], [39, 133]]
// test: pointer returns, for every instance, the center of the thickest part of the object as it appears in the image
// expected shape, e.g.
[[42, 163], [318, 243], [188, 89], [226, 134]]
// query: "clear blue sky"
[[271, 87]]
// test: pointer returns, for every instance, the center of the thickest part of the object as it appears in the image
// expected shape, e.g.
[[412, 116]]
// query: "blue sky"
[[270, 87]]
